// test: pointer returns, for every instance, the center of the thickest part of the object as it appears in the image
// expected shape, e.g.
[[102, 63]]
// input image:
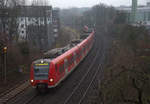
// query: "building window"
[[144, 16], [21, 19], [22, 25], [41, 19], [22, 32], [148, 16], [29, 19]]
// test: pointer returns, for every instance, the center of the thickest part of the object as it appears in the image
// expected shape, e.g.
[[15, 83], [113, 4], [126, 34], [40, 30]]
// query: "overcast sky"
[[89, 3]]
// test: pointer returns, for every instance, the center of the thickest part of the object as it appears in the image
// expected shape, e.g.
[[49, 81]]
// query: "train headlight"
[[42, 61], [51, 79], [32, 81]]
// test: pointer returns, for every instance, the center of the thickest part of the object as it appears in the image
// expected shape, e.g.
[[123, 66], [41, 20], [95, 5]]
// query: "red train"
[[48, 73]]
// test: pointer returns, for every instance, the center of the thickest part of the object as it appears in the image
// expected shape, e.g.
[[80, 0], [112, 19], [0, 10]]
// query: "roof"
[[27, 11], [139, 9], [34, 11]]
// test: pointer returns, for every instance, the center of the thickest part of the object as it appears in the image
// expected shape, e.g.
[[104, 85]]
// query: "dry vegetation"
[[21, 54], [66, 35], [127, 75]]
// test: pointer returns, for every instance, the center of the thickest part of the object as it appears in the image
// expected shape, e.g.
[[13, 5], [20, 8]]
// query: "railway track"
[[79, 93], [73, 92], [74, 95], [10, 94]]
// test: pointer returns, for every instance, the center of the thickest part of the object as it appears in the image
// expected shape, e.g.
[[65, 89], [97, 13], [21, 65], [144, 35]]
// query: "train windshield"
[[41, 71]]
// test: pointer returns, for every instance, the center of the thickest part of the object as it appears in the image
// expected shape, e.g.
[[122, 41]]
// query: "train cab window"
[[41, 71]]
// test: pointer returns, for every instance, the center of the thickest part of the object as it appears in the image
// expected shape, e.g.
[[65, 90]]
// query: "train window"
[[82, 50], [75, 56], [61, 68], [85, 47], [56, 66], [88, 46], [71, 60], [66, 64], [79, 54]]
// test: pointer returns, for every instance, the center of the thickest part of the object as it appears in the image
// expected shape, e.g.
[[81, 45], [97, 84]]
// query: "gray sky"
[[90, 3]]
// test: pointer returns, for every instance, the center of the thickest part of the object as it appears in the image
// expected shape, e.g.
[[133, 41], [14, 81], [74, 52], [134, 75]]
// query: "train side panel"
[[72, 58], [64, 64]]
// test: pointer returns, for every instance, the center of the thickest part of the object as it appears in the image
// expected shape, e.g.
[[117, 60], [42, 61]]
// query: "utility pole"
[[5, 64]]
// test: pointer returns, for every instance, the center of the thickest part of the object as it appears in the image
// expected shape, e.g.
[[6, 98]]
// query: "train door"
[[61, 69]]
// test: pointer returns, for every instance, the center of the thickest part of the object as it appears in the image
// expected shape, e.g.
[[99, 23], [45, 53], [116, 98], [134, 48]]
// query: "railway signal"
[[5, 49]]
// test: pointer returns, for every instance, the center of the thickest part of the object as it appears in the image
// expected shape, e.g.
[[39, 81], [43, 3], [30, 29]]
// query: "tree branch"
[[139, 90]]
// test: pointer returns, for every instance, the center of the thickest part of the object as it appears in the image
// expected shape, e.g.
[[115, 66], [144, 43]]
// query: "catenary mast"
[[134, 11]]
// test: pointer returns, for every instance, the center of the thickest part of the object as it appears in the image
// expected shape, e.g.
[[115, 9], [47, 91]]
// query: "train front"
[[39, 75]]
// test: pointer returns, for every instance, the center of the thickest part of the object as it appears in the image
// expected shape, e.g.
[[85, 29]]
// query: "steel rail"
[[99, 68], [89, 69], [95, 47]]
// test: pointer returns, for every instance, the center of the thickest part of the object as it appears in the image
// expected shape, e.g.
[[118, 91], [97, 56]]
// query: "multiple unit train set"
[[53, 69]]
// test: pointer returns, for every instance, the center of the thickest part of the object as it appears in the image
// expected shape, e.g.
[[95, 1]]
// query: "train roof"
[[59, 53], [66, 54], [42, 61]]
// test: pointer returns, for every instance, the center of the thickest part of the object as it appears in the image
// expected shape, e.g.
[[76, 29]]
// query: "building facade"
[[33, 24], [56, 22], [141, 15]]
